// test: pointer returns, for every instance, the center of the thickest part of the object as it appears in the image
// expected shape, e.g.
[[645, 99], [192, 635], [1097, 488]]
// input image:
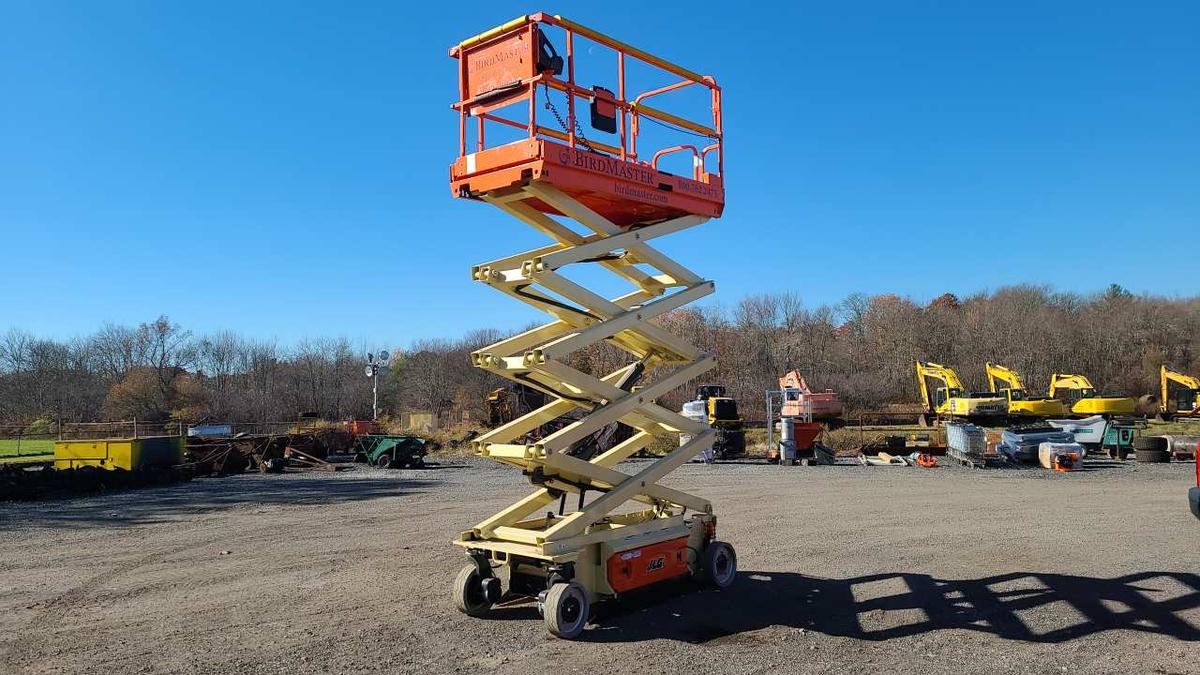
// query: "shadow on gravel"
[[1044, 608], [163, 504]]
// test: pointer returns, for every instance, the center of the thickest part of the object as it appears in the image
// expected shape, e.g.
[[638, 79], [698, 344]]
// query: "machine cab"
[[1186, 399], [1073, 396], [944, 394]]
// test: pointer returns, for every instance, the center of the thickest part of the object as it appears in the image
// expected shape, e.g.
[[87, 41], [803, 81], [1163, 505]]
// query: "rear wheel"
[[719, 563], [469, 595], [566, 610], [384, 461]]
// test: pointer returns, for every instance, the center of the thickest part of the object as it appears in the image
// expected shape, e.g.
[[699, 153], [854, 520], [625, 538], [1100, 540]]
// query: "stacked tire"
[[1152, 450]]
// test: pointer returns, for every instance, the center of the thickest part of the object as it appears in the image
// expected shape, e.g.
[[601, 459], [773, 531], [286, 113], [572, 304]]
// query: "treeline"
[[863, 347], [158, 371]]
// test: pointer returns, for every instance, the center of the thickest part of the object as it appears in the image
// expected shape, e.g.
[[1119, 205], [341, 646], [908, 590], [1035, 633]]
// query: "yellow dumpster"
[[119, 453]]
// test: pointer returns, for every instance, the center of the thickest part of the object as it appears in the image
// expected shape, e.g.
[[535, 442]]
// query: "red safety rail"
[[500, 71]]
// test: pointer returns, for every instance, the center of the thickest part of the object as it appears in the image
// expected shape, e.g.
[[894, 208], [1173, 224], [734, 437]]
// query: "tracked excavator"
[[1186, 399], [1021, 406], [799, 399], [1079, 395], [952, 401]]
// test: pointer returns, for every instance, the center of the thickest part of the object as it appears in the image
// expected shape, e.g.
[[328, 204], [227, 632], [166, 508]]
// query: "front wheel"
[[719, 563], [384, 461], [469, 595], [566, 610]]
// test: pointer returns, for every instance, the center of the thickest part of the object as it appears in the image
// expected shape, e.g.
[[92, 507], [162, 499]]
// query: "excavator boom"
[[1187, 401], [1007, 376], [939, 372], [1078, 383]]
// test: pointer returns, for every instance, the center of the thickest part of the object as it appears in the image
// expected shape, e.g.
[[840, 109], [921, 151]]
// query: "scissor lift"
[[619, 203]]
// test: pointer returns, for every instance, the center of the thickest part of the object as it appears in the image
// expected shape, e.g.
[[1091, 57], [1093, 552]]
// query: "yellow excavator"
[[1078, 393], [952, 401], [1020, 403], [1186, 402]]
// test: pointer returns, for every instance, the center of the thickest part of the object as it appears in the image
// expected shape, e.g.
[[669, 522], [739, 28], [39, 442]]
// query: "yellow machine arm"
[[1006, 376], [1065, 381], [1167, 376], [929, 369]]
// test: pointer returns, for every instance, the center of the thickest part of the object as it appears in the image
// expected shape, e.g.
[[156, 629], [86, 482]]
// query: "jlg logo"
[[657, 564]]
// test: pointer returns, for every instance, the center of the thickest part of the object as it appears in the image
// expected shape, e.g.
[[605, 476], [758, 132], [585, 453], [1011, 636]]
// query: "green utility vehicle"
[[1098, 433], [392, 452]]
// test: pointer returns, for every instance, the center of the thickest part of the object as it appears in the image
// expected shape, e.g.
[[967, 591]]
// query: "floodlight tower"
[[375, 363]]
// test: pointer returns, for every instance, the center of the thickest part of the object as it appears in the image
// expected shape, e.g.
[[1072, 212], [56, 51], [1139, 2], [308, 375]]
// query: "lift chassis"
[[572, 542]]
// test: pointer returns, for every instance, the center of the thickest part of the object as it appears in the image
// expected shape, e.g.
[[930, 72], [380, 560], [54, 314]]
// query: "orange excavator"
[[799, 399]]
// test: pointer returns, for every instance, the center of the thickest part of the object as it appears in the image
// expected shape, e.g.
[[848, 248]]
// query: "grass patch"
[[9, 447], [1188, 428], [27, 459]]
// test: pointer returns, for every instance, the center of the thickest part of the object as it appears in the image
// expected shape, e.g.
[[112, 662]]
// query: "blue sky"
[[280, 169]]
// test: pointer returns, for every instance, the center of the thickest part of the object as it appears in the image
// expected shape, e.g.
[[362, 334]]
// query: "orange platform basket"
[[499, 75]]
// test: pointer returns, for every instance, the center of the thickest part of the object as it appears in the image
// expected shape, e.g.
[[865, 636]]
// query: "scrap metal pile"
[[306, 450]]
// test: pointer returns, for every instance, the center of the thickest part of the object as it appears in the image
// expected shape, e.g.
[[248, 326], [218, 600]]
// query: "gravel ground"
[[843, 569]]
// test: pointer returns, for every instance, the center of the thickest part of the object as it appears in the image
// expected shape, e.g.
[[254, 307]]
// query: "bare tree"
[[864, 347]]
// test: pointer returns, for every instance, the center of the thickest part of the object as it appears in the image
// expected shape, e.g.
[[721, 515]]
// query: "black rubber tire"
[[1152, 456], [565, 610], [416, 463], [383, 461], [1150, 443], [719, 562], [468, 593]]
